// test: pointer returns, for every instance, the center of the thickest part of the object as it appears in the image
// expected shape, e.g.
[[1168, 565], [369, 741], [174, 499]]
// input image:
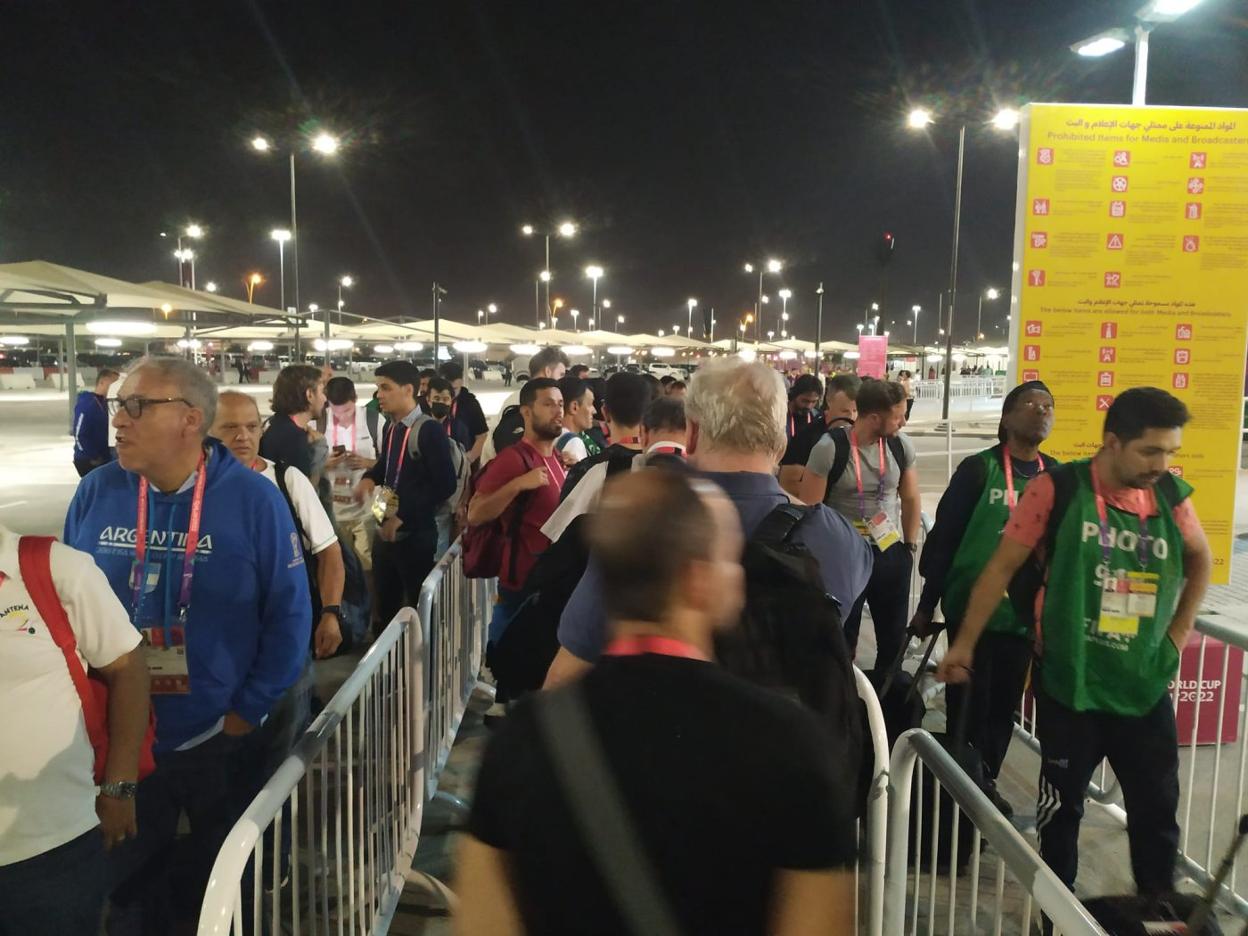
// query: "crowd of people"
[[676, 565]]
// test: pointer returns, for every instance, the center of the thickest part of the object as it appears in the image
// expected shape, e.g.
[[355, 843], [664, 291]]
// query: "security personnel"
[[969, 521], [1120, 541]]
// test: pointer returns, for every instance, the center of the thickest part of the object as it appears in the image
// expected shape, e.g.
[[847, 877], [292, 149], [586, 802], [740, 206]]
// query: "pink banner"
[[872, 355]]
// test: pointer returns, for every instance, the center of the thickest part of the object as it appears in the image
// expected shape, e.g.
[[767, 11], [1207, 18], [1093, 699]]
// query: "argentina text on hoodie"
[[248, 626]]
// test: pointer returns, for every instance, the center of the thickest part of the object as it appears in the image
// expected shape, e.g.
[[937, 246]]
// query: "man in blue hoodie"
[[224, 635], [91, 424]]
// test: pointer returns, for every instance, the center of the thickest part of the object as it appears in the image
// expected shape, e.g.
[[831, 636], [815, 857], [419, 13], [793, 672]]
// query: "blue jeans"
[[59, 892]]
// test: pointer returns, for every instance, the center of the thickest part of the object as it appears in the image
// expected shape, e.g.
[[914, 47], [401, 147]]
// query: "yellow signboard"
[[1131, 269]]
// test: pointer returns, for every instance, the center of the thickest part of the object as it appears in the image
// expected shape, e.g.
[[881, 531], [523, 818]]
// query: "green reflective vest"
[[1082, 665]]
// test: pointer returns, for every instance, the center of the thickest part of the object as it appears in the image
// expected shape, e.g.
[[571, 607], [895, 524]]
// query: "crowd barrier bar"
[[1042, 889], [349, 799], [876, 840], [1203, 839]]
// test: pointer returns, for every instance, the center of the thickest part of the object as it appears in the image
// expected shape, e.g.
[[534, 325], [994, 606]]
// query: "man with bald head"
[[657, 705], [203, 554]]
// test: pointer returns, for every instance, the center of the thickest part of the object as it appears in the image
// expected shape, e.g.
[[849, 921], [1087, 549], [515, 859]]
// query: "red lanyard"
[[1102, 515], [879, 491], [402, 452], [631, 440], [659, 646], [554, 466], [1009, 476], [662, 449], [792, 425], [192, 542]]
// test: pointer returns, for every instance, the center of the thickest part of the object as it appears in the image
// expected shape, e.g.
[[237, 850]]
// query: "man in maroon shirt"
[[522, 485]]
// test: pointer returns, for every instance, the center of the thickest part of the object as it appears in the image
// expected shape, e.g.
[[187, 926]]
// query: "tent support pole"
[[71, 366]]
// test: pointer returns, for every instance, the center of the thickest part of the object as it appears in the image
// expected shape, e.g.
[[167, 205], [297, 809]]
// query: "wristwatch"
[[122, 790], [335, 610]]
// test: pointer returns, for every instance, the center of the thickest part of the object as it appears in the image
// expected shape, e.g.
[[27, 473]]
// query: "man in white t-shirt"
[[54, 826], [351, 453]]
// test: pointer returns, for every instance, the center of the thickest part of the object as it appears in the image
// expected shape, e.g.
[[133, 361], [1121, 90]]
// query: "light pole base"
[[945, 426]]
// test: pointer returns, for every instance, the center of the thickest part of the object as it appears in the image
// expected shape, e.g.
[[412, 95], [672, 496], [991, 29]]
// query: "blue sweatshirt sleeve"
[[284, 603]]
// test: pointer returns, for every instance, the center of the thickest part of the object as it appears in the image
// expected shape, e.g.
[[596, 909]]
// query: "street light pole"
[[916, 310], [819, 330], [953, 271]]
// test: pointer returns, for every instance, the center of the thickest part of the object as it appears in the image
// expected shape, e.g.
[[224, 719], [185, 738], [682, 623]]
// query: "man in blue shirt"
[[736, 413], [91, 424], [412, 478], [224, 635]]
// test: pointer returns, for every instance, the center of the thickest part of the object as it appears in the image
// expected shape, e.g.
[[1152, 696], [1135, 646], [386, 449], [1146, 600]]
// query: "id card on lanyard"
[[386, 498], [164, 647], [879, 527], [1131, 596]]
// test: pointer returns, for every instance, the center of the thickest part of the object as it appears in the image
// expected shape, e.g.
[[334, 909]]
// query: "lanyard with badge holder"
[[1010, 499], [165, 647], [652, 644], [1130, 595], [386, 497], [879, 528]]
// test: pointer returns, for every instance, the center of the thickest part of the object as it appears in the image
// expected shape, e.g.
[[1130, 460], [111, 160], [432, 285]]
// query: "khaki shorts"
[[359, 529]]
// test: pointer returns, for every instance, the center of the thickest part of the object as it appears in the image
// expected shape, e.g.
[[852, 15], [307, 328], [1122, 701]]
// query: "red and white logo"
[[1044, 155], [1113, 280], [1109, 330], [1182, 356], [1113, 242], [1118, 183], [1104, 401], [1196, 186], [1182, 332], [1197, 161], [1035, 277], [1030, 375], [1191, 243], [1192, 211], [1031, 352], [1109, 355], [1180, 380], [1122, 158], [1039, 240], [1117, 209], [1176, 470], [1033, 329], [1105, 378], [1039, 206]]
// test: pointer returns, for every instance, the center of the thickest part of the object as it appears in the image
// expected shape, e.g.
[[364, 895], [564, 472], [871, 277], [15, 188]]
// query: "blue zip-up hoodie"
[[248, 627], [91, 427]]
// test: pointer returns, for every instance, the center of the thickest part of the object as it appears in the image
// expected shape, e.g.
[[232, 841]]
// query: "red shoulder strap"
[[34, 562]]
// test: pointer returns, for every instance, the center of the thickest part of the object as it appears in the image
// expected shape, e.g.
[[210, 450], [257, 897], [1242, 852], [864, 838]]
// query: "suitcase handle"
[[895, 667]]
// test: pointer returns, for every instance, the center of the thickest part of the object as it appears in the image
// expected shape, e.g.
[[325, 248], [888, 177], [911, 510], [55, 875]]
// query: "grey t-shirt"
[[842, 496]]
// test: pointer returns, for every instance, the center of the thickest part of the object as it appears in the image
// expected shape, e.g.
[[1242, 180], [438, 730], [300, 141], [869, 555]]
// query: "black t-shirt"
[[467, 409], [698, 756], [284, 441]]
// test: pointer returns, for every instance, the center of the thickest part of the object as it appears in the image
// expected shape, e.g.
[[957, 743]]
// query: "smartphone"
[[340, 450]]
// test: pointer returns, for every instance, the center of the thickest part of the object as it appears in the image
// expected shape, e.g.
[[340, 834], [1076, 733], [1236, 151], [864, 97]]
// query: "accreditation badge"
[[385, 504], [1116, 610], [164, 651], [882, 532]]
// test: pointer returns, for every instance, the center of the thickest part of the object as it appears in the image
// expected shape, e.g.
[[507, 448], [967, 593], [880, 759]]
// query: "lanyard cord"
[[883, 462], [1142, 544], [1009, 476]]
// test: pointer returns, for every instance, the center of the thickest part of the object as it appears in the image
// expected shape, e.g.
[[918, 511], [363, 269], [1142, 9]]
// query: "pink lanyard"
[[879, 491], [398, 469], [659, 646], [192, 542], [1143, 543], [1009, 477]]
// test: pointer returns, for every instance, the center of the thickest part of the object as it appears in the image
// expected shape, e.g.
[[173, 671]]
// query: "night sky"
[[685, 138]]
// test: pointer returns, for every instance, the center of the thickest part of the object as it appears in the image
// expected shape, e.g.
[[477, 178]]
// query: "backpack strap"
[[840, 438], [1064, 484], [518, 507], [413, 440], [779, 526], [898, 448], [279, 472], [34, 555]]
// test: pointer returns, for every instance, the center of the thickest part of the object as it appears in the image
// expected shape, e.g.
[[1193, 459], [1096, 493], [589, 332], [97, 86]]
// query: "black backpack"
[[840, 438], [356, 605], [521, 657], [791, 638], [510, 428], [616, 457]]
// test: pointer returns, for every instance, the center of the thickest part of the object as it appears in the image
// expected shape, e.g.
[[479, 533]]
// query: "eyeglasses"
[[134, 405]]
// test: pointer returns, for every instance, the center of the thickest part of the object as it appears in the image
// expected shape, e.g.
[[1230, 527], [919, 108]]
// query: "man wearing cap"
[[969, 521]]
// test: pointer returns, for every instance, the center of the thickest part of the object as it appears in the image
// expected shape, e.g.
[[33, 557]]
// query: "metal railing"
[[1211, 769], [1034, 887], [875, 842], [455, 612], [340, 819], [959, 387]]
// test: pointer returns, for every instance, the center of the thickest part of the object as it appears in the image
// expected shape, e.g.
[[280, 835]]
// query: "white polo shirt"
[[314, 525], [47, 790], [343, 480]]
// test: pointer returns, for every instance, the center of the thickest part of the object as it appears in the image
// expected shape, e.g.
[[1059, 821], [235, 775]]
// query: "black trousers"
[[888, 594], [1000, 665], [400, 568], [1144, 753]]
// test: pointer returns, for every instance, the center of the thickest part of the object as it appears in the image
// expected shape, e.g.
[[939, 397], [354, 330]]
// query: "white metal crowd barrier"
[[874, 845], [1213, 754], [959, 387], [455, 612], [326, 844], [928, 899]]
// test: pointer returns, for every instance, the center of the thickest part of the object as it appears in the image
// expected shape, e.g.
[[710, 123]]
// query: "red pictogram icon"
[[1105, 378], [1031, 375], [1196, 186], [1118, 183], [1113, 280], [1117, 209], [1122, 158], [1109, 355], [1113, 242], [1109, 330], [1197, 161], [1044, 155], [1182, 332], [1033, 329], [1031, 352], [1104, 401], [1191, 243], [1039, 240], [1039, 206], [1180, 380], [1192, 211], [1035, 277], [1182, 356]]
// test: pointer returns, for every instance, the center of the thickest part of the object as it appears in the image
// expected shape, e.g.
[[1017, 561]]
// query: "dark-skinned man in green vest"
[[972, 514], [1127, 565]]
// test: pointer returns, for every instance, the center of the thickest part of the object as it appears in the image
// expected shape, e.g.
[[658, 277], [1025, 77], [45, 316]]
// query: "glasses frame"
[[130, 403]]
